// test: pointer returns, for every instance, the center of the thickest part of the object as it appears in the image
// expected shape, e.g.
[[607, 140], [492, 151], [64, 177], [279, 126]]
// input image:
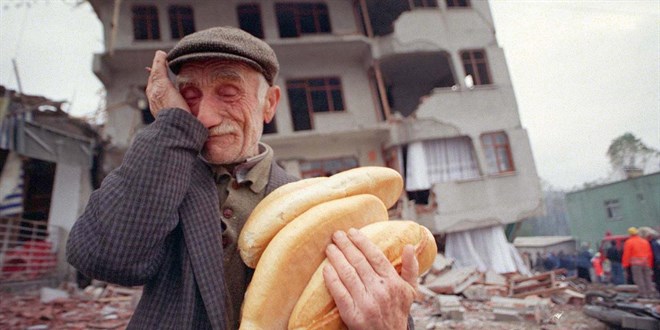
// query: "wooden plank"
[[539, 292]]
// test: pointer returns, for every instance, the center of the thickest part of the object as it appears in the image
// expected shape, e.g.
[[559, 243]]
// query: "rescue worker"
[[638, 256]]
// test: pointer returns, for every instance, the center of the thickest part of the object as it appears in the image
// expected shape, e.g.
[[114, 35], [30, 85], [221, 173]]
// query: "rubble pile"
[[464, 298], [99, 306]]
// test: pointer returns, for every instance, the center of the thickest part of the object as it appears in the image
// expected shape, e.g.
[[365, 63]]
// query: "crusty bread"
[[316, 309], [268, 218], [291, 187], [295, 252]]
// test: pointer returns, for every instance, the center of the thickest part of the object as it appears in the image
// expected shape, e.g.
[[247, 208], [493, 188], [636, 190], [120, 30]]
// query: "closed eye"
[[228, 91], [190, 93]]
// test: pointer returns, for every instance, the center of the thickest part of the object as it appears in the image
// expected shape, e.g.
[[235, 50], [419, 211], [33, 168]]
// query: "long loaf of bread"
[[269, 218], [316, 309], [295, 252]]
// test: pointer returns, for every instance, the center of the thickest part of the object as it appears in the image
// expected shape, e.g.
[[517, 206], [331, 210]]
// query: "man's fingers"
[[355, 256], [337, 290], [374, 256], [410, 266], [160, 91], [159, 66], [345, 271]]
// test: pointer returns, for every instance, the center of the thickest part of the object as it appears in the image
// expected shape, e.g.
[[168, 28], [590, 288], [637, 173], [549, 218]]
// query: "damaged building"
[[420, 86], [47, 161]]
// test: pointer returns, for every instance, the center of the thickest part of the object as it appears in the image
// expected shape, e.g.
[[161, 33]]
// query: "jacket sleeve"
[[121, 236]]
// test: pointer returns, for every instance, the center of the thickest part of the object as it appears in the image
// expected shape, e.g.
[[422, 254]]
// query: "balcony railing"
[[26, 251]]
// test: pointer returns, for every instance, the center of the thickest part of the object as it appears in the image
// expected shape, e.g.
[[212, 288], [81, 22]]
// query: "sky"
[[583, 72]]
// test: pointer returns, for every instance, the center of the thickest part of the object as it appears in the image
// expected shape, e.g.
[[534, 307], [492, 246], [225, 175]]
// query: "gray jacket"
[[155, 222]]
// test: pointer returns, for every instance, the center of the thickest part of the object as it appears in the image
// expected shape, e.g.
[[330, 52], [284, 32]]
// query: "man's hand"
[[367, 290], [161, 92]]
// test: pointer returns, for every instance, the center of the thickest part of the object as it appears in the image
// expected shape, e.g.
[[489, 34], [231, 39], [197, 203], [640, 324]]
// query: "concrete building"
[[46, 164], [613, 208], [417, 85]]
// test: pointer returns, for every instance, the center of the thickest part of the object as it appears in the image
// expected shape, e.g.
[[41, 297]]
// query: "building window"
[[296, 19], [425, 3], [498, 152], [613, 209], [476, 66], [145, 23], [307, 96], [249, 19], [441, 160], [326, 167], [458, 3], [182, 22]]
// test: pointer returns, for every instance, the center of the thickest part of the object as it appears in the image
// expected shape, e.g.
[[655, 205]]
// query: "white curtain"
[[417, 174], [441, 160], [484, 248]]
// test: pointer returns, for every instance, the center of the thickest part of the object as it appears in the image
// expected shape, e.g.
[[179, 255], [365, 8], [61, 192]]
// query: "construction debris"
[[464, 298], [453, 281], [96, 307]]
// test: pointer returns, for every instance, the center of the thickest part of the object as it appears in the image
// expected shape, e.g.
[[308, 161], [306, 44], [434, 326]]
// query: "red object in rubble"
[[28, 261]]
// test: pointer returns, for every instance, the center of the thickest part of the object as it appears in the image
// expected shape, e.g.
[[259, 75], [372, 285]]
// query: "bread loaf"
[[316, 309], [295, 252], [270, 217]]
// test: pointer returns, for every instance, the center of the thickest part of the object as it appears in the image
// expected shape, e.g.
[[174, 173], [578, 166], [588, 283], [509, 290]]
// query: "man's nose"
[[207, 112]]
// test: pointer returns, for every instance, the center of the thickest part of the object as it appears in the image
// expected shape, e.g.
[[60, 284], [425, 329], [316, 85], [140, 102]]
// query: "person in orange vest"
[[638, 256], [597, 263]]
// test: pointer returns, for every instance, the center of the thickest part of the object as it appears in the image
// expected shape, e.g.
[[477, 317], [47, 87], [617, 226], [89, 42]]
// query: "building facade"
[[417, 85], [613, 208]]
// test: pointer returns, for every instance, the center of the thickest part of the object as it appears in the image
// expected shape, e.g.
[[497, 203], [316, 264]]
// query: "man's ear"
[[272, 99]]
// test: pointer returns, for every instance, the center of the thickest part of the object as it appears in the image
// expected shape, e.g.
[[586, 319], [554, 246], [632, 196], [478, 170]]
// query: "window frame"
[[613, 209], [306, 84], [471, 66], [254, 9], [489, 141], [424, 4], [319, 10], [457, 4], [179, 19], [324, 170], [146, 21]]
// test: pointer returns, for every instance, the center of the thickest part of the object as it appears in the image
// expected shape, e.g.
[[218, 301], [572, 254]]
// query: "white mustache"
[[222, 129]]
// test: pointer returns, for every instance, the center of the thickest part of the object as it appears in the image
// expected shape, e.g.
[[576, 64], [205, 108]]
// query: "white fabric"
[[484, 248], [450, 160], [441, 160], [417, 177], [11, 186]]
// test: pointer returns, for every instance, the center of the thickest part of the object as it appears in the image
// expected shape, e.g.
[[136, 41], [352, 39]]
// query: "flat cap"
[[228, 43]]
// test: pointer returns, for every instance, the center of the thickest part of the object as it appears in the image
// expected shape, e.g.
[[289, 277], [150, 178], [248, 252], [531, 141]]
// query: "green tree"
[[627, 151]]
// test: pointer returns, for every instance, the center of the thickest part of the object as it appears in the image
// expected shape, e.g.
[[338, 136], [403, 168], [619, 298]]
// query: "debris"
[[542, 284], [48, 295], [493, 278], [480, 292], [450, 307], [68, 308], [454, 281], [568, 296], [536, 308]]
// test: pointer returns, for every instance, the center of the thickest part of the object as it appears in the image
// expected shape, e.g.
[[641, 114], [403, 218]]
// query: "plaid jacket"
[[155, 222]]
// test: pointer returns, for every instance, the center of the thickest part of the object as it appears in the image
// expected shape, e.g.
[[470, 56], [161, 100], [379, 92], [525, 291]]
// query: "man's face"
[[232, 101]]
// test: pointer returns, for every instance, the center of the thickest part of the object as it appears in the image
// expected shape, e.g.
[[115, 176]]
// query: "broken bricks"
[[50, 308]]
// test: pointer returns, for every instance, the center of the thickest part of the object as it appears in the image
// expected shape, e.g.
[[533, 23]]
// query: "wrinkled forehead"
[[209, 71]]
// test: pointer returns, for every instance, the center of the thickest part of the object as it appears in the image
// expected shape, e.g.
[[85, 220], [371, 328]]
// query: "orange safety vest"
[[637, 252]]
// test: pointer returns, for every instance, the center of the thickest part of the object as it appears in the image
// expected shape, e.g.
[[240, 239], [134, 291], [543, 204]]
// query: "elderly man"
[[168, 218]]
